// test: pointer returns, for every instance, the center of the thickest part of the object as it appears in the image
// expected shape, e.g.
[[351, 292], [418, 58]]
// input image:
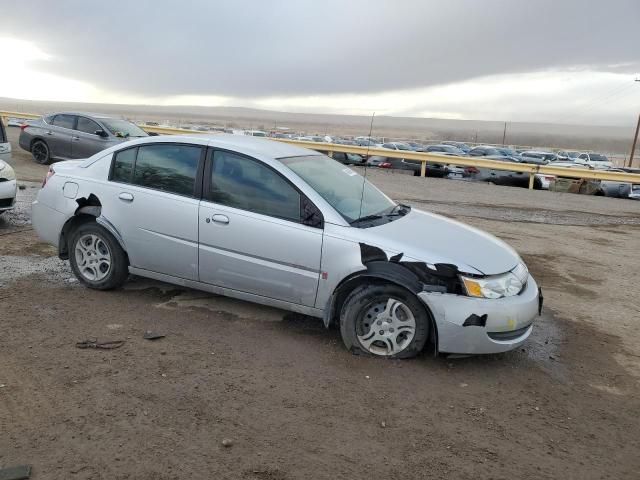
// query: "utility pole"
[[504, 134], [635, 138]]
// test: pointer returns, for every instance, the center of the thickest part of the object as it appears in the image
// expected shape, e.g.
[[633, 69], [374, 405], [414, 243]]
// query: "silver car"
[[70, 135], [284, 226]]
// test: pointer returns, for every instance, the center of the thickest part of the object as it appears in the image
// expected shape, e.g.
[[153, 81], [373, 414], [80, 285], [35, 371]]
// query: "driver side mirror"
[[101, 133]]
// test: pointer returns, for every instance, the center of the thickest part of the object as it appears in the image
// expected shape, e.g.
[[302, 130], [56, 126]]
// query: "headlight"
[[6, 171], [497, 286]]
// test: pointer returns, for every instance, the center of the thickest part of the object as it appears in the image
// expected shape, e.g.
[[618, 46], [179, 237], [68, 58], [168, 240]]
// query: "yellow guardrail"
[[425, 158]]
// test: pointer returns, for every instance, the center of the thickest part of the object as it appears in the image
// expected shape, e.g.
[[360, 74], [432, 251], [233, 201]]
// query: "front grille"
[[505, 336], [6, 202]]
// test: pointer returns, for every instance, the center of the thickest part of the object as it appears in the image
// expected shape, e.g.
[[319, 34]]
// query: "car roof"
[[84, 114], [245, 144]]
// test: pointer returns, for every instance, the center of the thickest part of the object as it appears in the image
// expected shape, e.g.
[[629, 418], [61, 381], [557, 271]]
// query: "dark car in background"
[[73, 135], [432, 169], [445, 150], [348, 158], [538, 158], [461, 145]]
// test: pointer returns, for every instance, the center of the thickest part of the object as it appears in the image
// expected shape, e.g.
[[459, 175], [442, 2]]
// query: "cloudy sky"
[[565, 61]]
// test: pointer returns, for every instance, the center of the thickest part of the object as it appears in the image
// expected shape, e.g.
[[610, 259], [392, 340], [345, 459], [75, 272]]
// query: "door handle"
[[75, 138], [49, 132], [126, 197], [220, 219]]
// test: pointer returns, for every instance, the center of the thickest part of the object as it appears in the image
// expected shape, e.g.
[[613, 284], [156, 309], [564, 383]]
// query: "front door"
[[152, 202], [84, 141], [252, 237]]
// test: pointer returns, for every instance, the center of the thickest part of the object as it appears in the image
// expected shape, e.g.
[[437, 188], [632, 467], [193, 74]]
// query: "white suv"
[[595, 160]]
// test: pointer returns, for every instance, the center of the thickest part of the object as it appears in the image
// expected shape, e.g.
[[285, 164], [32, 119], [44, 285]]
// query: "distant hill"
[[601, 138]]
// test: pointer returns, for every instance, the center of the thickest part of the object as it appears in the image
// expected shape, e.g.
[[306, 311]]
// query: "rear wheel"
[[40, 152], [384, 320], [96, 258]]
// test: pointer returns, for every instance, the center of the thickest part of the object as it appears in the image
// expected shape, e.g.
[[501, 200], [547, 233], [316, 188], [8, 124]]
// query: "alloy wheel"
[[93, 257], [386, 328]]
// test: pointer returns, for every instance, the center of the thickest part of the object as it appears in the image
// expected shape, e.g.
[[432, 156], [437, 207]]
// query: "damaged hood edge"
[[430, 238]]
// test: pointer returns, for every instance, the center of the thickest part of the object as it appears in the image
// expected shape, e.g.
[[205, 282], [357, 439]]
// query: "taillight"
[[23, 126], [50, 174], [471, 170], [385, 165]]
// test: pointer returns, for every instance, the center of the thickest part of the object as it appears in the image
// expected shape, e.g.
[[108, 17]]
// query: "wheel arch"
[[89, 210], [375, 273]]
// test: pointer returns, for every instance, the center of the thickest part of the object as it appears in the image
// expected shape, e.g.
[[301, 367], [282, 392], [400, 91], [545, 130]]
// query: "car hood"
[[432, 238]]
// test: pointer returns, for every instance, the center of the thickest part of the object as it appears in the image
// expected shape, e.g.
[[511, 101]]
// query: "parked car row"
[[76, 135]]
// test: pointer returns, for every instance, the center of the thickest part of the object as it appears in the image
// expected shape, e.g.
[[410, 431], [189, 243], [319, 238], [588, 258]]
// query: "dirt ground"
[[289, 398]]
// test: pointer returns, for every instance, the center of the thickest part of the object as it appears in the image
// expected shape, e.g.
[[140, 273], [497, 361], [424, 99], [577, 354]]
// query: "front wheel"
[[384, 320], [96, 258]]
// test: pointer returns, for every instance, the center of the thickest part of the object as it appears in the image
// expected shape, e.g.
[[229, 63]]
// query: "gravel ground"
[[241, 391]]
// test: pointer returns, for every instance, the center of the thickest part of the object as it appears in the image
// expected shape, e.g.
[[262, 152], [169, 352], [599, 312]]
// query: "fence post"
[[423, 169], [330, 153], [531, 177]]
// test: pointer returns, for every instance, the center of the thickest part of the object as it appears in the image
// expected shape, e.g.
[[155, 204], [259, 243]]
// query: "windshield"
[[596, 157], [402, 146], [122, 128], [340, 186]]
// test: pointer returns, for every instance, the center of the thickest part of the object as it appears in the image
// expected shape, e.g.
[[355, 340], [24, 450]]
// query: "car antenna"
[[366, 162]]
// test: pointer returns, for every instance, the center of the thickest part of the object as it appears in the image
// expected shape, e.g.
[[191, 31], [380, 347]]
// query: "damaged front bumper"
[[470, 325]]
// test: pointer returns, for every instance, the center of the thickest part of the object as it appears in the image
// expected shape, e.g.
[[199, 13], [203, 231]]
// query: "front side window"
[[64, 121], [243, 183], [345, 190], [87, 126], [168, 167]]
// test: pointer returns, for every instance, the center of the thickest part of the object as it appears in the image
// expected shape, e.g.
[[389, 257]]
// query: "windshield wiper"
[[365, 218]]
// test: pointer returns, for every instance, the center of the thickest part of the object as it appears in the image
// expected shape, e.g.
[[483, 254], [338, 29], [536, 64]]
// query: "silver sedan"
[[279, 225]]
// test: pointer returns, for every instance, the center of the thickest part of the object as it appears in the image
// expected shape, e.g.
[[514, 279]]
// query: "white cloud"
[[575, 95]]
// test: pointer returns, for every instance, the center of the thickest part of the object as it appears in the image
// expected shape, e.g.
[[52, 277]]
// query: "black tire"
[[117, 272], [40, 152], [359, 303]]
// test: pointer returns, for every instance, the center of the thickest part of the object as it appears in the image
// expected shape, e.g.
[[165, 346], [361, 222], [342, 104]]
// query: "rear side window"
[[123, 165], [65, 121], [168, 167], [87, 126], [243, 183]]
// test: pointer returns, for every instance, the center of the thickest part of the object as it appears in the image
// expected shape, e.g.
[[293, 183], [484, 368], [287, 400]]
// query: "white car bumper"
[[507, 324], [7, 194], [47, 222]]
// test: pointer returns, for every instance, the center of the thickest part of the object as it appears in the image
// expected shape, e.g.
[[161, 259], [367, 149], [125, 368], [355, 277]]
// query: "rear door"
[[58, 135], [84, 141], [152, 200], [253, 237]]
